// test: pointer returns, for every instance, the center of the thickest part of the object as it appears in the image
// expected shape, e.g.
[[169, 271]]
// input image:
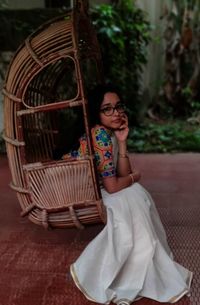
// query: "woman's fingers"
[[136, 175], [124, 123]]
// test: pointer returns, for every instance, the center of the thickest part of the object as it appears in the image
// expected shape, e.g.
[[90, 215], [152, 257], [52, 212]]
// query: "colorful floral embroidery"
[[103, 151], [83, 149], [102, 144]]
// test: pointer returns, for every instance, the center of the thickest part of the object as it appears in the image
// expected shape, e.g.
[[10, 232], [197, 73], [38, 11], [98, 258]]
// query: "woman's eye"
[[120, 107], [107, 109]]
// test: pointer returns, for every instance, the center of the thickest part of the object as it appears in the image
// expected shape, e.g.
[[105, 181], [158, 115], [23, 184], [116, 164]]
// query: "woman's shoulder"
[[100, 129], [101, 136]]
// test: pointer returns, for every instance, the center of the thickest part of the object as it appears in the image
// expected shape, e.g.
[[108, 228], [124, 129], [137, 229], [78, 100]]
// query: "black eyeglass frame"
[[120, 107]]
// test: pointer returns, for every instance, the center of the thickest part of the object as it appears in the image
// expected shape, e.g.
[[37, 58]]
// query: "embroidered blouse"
[[103, 150]]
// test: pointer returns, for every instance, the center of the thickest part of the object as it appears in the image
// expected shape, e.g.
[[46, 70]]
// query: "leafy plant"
[[3, 4], [123, 32], [168, 137]]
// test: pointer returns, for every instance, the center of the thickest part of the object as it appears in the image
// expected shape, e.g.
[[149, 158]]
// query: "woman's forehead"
[[110, 97]]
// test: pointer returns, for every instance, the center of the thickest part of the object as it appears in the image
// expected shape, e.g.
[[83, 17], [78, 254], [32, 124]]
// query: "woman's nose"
[[115, 112]]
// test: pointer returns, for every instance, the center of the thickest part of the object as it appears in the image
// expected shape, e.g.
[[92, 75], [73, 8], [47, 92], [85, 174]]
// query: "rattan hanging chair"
[[44, 94]]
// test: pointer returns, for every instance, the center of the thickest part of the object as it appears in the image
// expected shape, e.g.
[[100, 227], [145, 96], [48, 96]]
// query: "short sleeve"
[[81, 152], [103, 147]]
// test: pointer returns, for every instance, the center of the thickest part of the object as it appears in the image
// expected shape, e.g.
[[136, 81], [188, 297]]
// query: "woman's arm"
[[123, 163], [113, 179], [115, 184], [125, 177]]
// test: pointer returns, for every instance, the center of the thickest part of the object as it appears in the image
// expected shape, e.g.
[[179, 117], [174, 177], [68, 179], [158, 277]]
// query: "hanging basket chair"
[[44, 97]]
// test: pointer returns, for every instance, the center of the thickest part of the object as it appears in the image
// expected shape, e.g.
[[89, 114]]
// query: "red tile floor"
[[34, 263]]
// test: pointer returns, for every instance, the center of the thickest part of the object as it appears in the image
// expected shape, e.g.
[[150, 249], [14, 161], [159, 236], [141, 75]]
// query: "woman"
[[130, 257]]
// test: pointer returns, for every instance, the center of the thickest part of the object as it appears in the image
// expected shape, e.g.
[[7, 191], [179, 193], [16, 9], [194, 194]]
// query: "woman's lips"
[[117, 121]]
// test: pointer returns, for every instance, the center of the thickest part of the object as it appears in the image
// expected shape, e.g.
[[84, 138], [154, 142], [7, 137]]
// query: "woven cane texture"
[[45, 87]]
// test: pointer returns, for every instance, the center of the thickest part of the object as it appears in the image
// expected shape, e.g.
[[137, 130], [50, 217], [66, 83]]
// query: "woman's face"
[[115, 120]]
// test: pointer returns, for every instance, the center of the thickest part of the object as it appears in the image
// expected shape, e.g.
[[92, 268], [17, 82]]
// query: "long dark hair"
[[95, 99]]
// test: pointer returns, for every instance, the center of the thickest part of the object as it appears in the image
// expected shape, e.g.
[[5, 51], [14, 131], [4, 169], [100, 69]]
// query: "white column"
[[154, 71]]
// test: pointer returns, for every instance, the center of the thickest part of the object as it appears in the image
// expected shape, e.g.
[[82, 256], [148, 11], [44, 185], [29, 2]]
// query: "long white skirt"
[[130, 257]]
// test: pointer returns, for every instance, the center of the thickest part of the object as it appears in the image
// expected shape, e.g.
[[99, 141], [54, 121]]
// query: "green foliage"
[[169, 137], [3, 4], [192, 103], [123, 33], [17, 24]]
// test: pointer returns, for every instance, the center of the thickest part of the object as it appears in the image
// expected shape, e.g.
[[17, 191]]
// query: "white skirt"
[[130, 257]]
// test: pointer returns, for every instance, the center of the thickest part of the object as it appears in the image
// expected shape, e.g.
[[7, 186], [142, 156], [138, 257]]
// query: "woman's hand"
[[136, 175], [122, 133]]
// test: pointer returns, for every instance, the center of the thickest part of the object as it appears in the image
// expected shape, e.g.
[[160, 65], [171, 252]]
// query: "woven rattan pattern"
[[44, 81]]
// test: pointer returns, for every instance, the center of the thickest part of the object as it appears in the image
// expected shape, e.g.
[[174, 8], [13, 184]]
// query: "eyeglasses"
[[109, 110]]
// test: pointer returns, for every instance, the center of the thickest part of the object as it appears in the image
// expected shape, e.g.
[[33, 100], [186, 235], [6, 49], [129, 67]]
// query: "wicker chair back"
[[45, 105]]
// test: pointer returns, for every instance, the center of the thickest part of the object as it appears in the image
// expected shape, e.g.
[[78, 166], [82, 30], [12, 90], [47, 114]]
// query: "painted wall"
[[153, 72]]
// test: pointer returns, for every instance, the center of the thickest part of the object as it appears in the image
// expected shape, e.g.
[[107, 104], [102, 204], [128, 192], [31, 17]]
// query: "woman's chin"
[[113, 126], [116, 126]]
